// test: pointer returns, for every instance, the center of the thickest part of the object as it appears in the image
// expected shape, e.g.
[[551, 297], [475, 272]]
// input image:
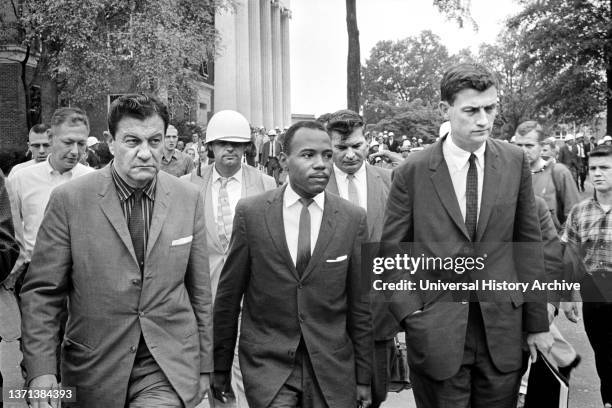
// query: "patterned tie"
[[353, 195], [303, 249], [471, 198], [224, 214], [136, 227]]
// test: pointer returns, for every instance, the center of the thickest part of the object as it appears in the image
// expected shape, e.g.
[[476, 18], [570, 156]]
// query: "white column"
[[277, 68], [243, 78], [225, 62], [286, 67], [266, 64], [255, 63]]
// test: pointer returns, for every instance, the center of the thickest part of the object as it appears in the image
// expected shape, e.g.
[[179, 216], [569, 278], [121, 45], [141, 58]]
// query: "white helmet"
[[228, 126]]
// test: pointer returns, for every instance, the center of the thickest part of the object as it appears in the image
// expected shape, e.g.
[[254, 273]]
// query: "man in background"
[[39, 141], [173, 161]]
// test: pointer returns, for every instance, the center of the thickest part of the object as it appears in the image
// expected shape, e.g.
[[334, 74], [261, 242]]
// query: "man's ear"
[[108, 138], [443, 106], [282, 159]]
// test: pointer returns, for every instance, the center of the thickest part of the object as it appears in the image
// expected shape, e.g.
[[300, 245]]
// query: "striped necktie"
[[224, 214], [136, 226], [353, 194]]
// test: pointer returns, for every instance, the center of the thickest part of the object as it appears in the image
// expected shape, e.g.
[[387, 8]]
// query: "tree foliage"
[[568, 45], [411, 118], [157, 44]]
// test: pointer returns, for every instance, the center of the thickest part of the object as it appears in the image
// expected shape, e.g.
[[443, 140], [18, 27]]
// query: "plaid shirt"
[[589, 227]]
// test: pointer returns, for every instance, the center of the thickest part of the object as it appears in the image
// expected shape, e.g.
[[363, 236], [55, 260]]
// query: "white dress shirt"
[[22, 166], [234, 190], [30, 189], [291, 219], [361, 182], [458, 164]]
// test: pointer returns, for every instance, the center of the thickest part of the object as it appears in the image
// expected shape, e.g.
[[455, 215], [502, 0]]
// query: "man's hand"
[[539, 341], [364, 396], [221, 385], [571, 310], [47, 382]]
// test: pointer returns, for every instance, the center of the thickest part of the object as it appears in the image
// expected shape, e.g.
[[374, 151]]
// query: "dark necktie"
[[137, 228], [471, 198], [303, 249]]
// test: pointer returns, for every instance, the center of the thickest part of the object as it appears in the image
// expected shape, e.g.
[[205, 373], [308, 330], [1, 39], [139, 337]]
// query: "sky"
[[319, 41]]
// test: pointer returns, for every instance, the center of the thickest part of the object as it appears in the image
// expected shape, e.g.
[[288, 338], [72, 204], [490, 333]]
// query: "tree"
[[157, 44], [405, 70], [568, 43], [353, 61], [413, 118]]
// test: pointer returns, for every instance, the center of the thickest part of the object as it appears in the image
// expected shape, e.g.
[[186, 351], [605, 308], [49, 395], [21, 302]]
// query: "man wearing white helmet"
[[174, 161], [222, 184], [568, 155]]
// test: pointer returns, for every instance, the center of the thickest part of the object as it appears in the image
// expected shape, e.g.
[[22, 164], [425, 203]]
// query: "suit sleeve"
[[528, 254], [197, 282], [232, 285], [9, 250], [45, 288], [569, 192], [360, 318], [553, 252]]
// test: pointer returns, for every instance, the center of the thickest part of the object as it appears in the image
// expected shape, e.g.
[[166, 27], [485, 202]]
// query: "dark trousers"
[[301, 388], [598, 326], [273, 168], [384, 354], [583, 173], [478, 384]]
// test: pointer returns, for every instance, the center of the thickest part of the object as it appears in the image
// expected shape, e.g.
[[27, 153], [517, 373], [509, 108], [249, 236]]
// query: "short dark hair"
[[40, 128], [72, 116], [601, 151], [138, 106], [465, 76], [529, 126], [344, 122], [307, 124]]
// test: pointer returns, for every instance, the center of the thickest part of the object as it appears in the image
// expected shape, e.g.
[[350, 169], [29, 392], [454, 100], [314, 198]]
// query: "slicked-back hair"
[[307, 124], [40, 128], [529, 126], [601, 151], [71, 117], [465, 76], [137, 106], [344, 122]]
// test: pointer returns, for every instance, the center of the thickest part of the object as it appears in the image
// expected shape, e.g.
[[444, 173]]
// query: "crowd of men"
[[158, 280]]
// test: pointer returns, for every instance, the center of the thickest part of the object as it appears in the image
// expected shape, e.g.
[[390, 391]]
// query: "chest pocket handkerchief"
[[338, 259], [182, 241]]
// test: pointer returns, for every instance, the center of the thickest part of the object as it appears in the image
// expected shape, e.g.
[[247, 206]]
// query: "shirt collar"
[[359, 174], [216, 176], [124, 190], [51, 170], [457, 157], [175, 155], [291, 197]]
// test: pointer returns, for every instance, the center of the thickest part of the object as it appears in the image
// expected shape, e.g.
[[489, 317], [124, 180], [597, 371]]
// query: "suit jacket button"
[[301, 317], [141, 313], [291, 353], [133, 349], [136, 282], [300, 286]]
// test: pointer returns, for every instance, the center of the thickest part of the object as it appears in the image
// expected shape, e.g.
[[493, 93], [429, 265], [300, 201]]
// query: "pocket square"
[[338, 259], [182, 241]]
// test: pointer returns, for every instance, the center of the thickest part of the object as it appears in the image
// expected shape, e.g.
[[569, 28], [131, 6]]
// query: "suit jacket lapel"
[[376, 200], [276, 228], [326, 232], [332, 185], [490, 188], [110, 206], [251, 182], [160, 212], [443, 185]]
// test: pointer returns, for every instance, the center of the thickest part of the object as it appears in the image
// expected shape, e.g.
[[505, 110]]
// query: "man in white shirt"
[[295, 259], [39, 141], [30, 187], [366, 186]]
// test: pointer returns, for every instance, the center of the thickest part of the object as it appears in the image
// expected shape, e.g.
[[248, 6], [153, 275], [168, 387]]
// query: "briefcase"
[[399, 379], [547, 387]]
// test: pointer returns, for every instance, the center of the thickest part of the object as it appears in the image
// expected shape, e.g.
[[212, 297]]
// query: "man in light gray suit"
[[367, 187], [126, 245], [222, 184]]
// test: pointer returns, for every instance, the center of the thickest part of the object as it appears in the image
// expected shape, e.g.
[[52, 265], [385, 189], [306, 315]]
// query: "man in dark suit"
[[568, 155], [270, 154], [294, 260], [126, 245], [366, 186], [468, 197]]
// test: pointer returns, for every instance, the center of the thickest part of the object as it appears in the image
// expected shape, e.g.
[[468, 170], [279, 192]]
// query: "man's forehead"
[[531, 137], [39, 137], [475, 98], [148, 126], [600, 161]]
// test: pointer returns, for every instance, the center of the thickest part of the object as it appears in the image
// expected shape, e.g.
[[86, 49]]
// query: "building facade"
[[252, 68]]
